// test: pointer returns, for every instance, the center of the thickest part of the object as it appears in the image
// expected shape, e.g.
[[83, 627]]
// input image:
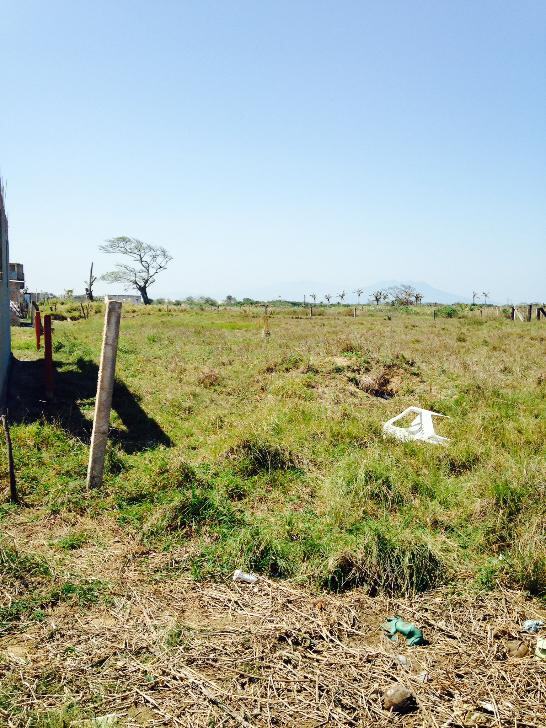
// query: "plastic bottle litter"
[[532, 625], [396, 625], [540, 650], [243, 577]]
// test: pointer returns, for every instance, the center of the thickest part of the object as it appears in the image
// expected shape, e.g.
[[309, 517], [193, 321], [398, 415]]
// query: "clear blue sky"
[[270, 142]]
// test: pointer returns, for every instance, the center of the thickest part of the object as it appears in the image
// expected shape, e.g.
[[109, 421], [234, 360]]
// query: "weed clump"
[[527, 561], [385, 562], [209, 379], [279, 547], [379, 385], [285, 364], [16, 566], [190, 511], [447, 312], [74, 540], [253, 457], [157, 473]]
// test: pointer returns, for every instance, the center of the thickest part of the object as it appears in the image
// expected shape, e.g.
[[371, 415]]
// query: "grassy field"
[[231, 449], [267, 453]]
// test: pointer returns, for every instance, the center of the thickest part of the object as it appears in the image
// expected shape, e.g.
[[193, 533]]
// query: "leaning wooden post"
[[13, 494], [105, 388]]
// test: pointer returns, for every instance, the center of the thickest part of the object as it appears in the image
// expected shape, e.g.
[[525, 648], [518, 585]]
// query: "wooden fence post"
[[48, 357], [38, 328], [530, 312], [105, 388], [265, 331]]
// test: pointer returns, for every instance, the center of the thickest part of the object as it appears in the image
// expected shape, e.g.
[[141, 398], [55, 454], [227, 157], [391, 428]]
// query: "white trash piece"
[[239, 575], [421, 428]]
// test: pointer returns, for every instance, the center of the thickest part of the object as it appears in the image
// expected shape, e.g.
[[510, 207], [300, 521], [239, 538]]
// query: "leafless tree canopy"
[[146, 261], [379, 296], [404, 295]]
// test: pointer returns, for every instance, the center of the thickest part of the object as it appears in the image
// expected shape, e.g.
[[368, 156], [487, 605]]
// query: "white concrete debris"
[[421, 428]]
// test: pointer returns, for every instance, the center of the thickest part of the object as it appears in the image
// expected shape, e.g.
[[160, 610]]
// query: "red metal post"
[[48, 357], [38, 328]]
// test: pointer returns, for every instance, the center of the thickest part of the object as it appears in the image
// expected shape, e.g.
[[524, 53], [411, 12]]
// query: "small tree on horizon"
[[146, 261], [379, 296], [485, 297], [359, 292], [341, 296], [404, 295], [328, 297]]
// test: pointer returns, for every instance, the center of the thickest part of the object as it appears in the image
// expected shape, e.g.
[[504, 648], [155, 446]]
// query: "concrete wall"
[[5, 340], [124, 298]]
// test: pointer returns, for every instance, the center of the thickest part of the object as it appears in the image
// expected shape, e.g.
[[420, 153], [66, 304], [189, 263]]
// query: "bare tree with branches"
[[359, 292], [341, 296], [314, 297], [474, 296], [485, 297], [404, 295], [146, 262], [90, 284], [379, 296], [328, 297]]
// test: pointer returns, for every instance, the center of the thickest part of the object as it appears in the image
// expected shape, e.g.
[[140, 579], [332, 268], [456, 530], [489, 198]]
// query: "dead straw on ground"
[[272, 654]]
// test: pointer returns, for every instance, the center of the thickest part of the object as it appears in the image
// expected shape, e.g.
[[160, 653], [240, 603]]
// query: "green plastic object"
[[396, 625]]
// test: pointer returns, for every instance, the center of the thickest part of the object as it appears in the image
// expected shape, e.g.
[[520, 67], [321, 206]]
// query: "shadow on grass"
[[75, 383]]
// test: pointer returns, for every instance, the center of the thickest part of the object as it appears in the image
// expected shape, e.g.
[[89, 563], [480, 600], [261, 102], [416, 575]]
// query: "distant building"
[[17, 274], [124, 298], [5, 340], [16, 283]]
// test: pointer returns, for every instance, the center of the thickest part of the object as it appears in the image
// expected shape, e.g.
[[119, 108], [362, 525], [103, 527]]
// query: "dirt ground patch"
[[164, 650]]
